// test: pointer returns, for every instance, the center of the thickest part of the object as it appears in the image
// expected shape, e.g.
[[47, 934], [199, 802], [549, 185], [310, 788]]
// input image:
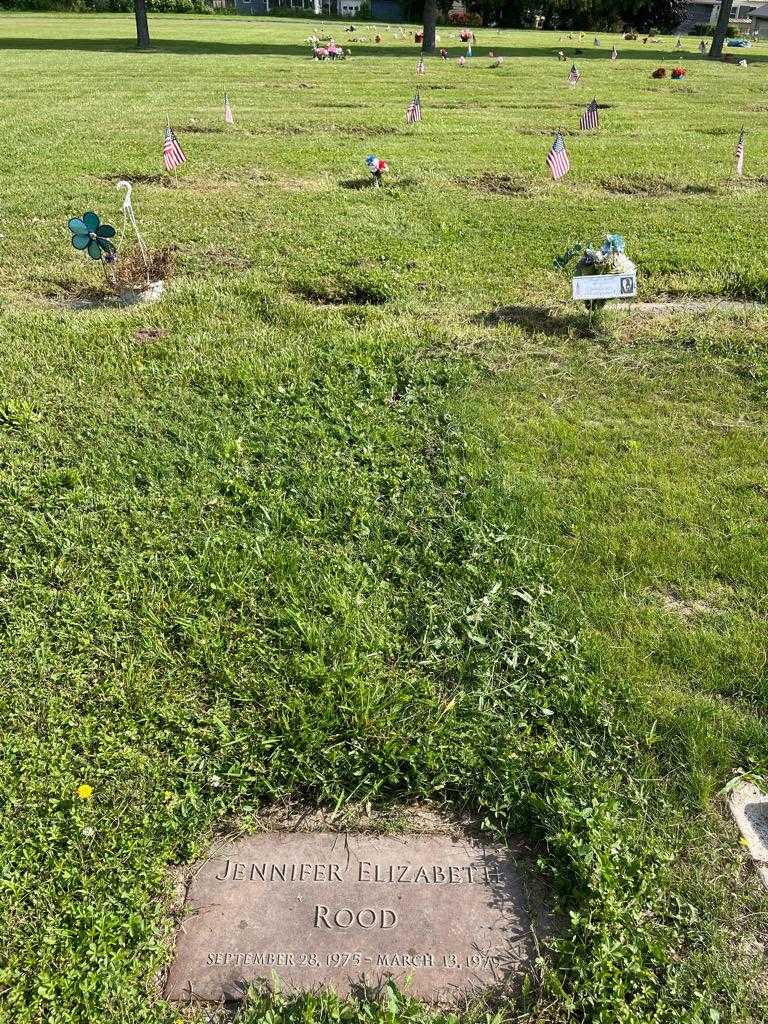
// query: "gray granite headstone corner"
[[749, 807]]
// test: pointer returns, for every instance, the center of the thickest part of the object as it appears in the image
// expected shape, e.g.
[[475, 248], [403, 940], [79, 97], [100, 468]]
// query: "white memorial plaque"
[[604, 286]]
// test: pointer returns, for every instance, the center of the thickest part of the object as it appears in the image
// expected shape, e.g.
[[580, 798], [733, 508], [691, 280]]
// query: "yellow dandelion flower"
[[85, 792], [167, 795]]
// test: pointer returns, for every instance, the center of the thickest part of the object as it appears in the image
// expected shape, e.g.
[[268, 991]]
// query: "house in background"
[[759, 21], [705, 12]]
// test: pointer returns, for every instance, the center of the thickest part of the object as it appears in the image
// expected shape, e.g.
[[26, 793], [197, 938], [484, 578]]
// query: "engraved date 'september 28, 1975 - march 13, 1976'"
[[320, 910]]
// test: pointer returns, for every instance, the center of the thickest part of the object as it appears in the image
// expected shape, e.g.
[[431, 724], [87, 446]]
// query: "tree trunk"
[[142, 27], [716, 49], [430, 24]]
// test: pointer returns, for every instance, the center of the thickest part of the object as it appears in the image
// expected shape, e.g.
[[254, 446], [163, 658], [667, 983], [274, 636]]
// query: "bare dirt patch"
[[550, 131], [341, 293], [497, 184], [219, 258], [341, 106], [74, 294], [285, 130], [301, 184], [746, 184], [128, 277], [646, 185], [672, 601], [392, 185], [362, 131], [144, 335], [202, 129], [183, 182]]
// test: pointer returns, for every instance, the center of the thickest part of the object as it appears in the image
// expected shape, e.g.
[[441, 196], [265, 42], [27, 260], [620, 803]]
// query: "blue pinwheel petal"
[[81, 241], [77, 227], [91, 220], [94, 250], [105, 231], [104, 244]]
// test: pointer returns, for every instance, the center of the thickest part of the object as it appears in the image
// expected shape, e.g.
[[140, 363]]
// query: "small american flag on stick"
[[420, 68], [557, 158], [740, 154], [590, 119], [413, 111], [228, 111], [173, 154], [574, 75]]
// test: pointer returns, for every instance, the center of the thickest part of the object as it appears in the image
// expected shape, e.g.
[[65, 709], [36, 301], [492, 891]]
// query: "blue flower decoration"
[[89, 234], [613, 244]]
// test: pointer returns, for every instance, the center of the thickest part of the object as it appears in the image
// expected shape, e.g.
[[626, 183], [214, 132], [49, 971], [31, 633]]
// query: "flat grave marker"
[[347, 912]]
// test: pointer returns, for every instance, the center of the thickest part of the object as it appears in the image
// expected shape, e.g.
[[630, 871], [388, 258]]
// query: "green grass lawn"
[[365, 511]]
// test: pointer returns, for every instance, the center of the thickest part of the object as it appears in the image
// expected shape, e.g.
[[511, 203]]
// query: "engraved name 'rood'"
[[345, 918]]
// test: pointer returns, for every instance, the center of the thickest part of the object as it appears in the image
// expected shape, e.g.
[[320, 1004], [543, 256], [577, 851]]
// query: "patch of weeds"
[[17, 413]]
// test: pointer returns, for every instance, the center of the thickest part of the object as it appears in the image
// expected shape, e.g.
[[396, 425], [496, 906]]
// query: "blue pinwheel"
[[90, 234]]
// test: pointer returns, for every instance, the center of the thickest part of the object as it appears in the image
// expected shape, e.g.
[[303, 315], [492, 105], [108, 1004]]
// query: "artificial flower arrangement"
[[678, 73], [377, 167], [331, 51], [659, 73], [610, 258], [134, 274]]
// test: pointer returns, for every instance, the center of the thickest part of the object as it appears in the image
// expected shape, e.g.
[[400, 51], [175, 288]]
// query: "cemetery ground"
[[365, 513]]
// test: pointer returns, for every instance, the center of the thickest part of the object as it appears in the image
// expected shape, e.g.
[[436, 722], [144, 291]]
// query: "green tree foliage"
[[597, 15]]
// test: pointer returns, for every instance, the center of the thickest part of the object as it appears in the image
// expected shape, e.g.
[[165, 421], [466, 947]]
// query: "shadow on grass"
[[198, 47], [356, 183], [534, 320]]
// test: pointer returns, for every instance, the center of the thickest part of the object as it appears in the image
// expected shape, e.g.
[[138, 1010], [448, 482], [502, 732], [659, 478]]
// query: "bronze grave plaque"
[[440, 916]]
